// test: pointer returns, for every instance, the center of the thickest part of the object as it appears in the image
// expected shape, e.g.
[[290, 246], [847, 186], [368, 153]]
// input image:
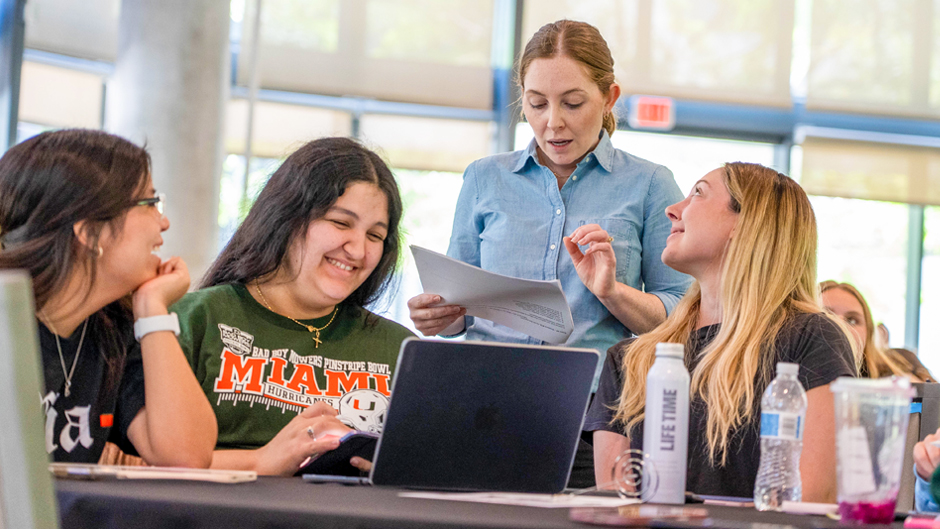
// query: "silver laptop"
[[27, 499], [484, 416]]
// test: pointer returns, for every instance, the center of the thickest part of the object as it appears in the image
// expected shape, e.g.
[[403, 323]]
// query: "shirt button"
[[574, 177], [552, 247], [558, 212]]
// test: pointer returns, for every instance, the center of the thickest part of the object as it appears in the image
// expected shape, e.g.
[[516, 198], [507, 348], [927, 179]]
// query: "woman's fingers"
[[422, 301], [581, 232], [361, 464], [434, 326], [317, 409], [429, 318]]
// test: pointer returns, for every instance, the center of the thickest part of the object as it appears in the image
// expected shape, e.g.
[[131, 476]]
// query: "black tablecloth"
[[291, 503]]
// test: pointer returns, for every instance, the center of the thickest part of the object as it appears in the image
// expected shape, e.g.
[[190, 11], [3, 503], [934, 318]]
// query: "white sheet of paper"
[[536, 308], [858, 476], [546, 501]]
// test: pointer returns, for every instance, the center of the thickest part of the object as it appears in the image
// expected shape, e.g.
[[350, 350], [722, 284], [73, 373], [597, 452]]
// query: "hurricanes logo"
[[363, 410]]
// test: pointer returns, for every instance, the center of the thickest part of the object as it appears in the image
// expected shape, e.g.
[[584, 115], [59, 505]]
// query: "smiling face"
[[128, 257], [565, 110], [339, 250], [846, 306], [702, 226]]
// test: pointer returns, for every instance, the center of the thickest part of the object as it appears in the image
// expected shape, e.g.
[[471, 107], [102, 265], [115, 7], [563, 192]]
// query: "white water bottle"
[[666, 424], [783, 413]]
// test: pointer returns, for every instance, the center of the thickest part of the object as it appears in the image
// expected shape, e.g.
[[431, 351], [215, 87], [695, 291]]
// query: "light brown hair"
[[579, 41], [876, 361], [768, 274]]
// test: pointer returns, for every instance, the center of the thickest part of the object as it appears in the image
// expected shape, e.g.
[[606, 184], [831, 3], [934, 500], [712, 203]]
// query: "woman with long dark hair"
[[279, 336], [79, 212]]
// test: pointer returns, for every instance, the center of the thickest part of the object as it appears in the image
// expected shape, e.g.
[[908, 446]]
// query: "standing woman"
[[747, 234], [569, 207], [79, 212]]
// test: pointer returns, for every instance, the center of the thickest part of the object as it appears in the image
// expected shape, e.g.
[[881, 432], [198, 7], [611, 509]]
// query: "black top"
[[813, 341], [95, 412]]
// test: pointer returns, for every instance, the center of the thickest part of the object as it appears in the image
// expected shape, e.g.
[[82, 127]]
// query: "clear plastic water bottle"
[[783, 414], [666, 424]]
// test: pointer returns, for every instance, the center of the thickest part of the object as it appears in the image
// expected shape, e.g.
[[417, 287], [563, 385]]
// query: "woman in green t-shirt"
[[278, 336]]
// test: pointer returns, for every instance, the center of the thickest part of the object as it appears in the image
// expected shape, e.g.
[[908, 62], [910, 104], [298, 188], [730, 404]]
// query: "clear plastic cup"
[[871, 427]]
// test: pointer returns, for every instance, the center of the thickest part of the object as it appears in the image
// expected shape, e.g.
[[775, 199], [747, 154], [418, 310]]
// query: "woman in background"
[[279, 336], [846, 302], [78, 211], [747, 234]]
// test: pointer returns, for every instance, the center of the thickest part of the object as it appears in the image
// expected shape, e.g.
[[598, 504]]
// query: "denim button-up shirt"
[[511, 218]]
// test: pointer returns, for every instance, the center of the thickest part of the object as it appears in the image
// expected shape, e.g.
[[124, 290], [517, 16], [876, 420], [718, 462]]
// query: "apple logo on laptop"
[[488, 418]]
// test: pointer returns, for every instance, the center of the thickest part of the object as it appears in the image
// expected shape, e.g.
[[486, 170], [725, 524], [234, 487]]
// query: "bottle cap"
[[786, 368], [672, 350]]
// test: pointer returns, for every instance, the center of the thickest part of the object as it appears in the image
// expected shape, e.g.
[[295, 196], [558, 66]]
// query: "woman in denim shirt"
[[569, 207]]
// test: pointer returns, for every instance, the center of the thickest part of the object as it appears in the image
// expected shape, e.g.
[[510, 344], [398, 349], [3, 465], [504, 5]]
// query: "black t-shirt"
[[813, 341], [78, 426]]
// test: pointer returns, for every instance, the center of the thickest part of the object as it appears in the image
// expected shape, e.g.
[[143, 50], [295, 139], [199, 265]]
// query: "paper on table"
[[536, 308], [87, 471], [548, 501]]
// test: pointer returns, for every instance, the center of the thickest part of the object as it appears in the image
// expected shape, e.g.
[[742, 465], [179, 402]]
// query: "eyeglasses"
[[158, 202]]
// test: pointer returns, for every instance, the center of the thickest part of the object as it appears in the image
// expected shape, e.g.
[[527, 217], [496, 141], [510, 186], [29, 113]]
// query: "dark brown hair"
[[579, 41], [302, 190], [50, 182]]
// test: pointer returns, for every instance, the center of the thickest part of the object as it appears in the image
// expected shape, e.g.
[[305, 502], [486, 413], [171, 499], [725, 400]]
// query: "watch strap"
[[165, 322]]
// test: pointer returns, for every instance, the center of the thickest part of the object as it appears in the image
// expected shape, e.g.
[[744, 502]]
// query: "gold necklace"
[[311, 328]]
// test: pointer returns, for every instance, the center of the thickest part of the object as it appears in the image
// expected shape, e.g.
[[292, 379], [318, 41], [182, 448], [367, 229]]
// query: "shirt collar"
[[603, 153]]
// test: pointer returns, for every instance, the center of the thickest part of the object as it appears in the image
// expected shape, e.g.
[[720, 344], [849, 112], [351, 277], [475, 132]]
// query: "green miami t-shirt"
[[260, 369]]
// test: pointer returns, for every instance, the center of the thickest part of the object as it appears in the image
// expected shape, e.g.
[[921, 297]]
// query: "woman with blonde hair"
[[846, 302], [747, 234]]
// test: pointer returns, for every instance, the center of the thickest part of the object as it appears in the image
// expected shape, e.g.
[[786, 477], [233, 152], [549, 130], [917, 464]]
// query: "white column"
[[169, 90]]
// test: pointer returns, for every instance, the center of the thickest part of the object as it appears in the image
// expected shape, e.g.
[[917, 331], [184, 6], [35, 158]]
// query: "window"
[[929, 343], [864, 242], [429, 199]]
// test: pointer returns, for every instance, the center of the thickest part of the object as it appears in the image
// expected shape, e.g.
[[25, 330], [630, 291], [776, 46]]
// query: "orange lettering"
[[246, 371], [381, 384], [303, 376], [351, 381], [277, 371]]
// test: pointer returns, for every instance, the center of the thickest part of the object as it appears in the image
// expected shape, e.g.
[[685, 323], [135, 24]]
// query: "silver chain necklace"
[[58, 346]]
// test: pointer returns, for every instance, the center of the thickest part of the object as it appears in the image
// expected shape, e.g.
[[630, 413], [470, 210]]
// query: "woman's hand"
[[284, 454], [431, 319], [927, 456], [597, 266], [155, 295]]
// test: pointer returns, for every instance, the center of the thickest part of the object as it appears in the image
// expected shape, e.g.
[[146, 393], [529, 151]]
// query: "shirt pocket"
[[626, 246]]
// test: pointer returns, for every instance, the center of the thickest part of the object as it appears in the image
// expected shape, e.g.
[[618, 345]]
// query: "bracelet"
[[166, 322]]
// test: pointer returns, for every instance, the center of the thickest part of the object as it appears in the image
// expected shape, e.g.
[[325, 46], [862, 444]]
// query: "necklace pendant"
[[68, 388], [316, 340]]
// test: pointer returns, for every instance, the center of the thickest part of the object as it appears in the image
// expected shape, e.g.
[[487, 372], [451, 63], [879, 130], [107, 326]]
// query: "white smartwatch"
[[166, 322]]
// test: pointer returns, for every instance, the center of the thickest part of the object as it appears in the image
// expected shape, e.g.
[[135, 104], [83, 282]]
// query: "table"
[[285, 503]]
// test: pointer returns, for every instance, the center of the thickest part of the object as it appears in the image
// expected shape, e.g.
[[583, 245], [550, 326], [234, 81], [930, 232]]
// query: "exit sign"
[[651, 112]]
